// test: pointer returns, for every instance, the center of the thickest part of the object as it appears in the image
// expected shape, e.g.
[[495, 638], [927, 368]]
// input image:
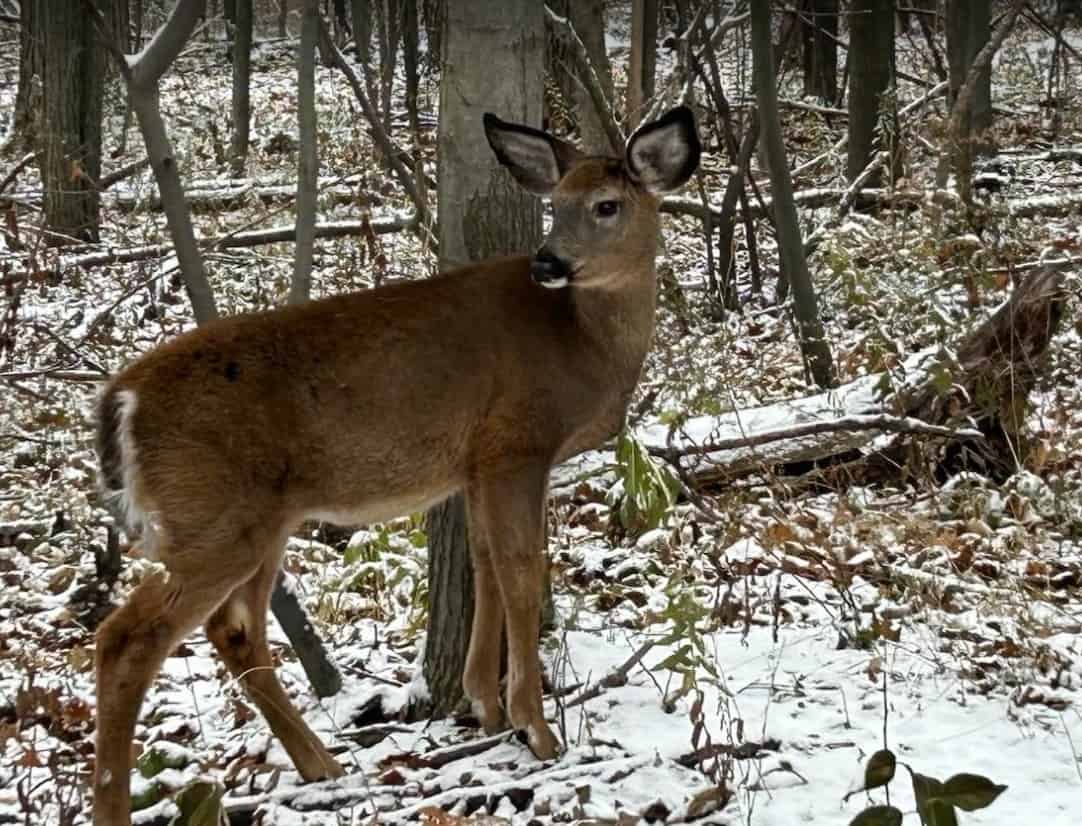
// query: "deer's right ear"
[[534, 158]]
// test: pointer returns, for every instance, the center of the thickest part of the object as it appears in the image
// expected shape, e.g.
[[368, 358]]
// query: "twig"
[[614, 678], [15, 170], [59, 373]]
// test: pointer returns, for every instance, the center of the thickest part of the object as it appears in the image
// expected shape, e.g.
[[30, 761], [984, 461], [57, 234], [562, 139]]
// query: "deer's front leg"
[[481, 678], [512, 511]]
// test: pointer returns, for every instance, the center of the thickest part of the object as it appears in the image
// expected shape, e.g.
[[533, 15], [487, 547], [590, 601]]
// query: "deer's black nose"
[[549, 270]]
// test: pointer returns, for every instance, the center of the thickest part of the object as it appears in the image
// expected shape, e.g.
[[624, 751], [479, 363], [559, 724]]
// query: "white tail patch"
[[138, 520]]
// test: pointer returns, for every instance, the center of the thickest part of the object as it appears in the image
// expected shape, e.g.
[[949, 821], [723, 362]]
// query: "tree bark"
[[242, 53], [482, 213], [813, 343], [872, 110], [307, 156], [434, 11], [642, 60], [969, 25], [28, 93], [819, 31], [411, 36], [361, 11], [69, 141], [389, 34]]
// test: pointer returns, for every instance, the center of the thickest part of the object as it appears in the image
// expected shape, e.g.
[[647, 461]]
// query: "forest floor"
[[792, 628]]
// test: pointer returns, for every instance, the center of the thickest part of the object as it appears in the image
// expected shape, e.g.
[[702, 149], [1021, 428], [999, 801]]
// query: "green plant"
[[690, 660], [648, 490], [937, 801]]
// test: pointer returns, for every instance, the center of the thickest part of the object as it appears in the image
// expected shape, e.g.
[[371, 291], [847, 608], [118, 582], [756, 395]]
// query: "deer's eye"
[[606, 209]]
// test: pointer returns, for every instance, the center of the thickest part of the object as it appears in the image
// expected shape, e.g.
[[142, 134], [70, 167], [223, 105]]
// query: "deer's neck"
[[619, 319]]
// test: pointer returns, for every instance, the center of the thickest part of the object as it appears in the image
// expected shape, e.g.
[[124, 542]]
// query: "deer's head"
[[605, 209]]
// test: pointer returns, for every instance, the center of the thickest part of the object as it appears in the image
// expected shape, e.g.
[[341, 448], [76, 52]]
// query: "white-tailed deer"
[[367, 406]]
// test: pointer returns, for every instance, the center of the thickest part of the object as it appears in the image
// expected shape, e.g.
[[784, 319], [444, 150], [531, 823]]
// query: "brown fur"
[[356, 409]]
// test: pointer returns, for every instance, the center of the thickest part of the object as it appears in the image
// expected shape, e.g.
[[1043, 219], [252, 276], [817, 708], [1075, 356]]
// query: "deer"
[[365, 406]]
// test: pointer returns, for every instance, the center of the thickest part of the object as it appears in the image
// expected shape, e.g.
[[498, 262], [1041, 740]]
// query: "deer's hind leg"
[[132, 644], [238, 630]]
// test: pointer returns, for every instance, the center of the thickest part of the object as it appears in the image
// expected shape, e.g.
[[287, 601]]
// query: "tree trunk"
[[361, 11], [813, 343], [434, 12], [69, 140], [641, 61], [242, 51], [411, 36], [28, 94], [482, 213], [283, 17], [307, 155], [872, 109], [588, 19], [969, 25], [818, 33], [137, 26], [389, 34]]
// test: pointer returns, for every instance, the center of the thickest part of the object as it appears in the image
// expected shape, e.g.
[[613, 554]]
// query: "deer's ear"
[[664, 153], [535, 158]]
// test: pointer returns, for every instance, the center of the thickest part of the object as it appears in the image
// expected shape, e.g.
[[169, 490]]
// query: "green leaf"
[[970, 792], [878, 816], [932, 810], [880, 769], [200, 804], [153, 761], [649, 489], [677, 659]]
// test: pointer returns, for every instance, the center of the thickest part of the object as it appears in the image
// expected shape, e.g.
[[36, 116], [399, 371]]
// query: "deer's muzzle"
[[549, 270]]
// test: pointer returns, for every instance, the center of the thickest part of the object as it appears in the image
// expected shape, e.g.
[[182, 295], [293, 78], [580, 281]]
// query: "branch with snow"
[[846, 424]]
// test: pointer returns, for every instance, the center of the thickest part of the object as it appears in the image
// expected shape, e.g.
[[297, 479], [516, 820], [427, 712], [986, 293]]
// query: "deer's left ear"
[[664, 153]]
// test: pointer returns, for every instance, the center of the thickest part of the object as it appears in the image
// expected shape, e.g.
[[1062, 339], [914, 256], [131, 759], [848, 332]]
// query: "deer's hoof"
[[541, 741]]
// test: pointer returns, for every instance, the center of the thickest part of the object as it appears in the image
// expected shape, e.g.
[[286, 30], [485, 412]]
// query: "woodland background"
[[844, 517]]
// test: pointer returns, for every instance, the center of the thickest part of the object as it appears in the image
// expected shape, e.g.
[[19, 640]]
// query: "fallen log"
[[973, 423], [995, 369], [253, 238]]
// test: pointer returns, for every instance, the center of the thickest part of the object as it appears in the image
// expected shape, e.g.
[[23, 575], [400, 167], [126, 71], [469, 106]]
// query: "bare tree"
[[482, 213], [411, 36], [72, 64], [959, 149], [307, 154], [587, 17], [242, 53], [642, 60], [819, 32], [813, 343], [872, 110], [361, 12], [28, 92], [390, 33], [969, 26]]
